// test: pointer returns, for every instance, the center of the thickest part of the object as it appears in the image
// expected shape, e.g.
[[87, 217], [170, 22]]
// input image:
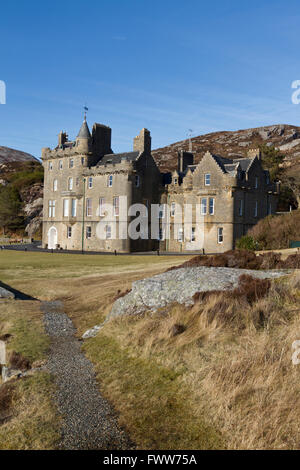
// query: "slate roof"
[[118, 157], [84, 132]]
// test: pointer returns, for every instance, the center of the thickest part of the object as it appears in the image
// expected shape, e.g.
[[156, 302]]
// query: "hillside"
[[8, 155], [234, 144], [21, 193]]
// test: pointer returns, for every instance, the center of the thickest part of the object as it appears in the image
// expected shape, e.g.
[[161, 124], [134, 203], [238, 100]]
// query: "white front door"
[[52, 238]]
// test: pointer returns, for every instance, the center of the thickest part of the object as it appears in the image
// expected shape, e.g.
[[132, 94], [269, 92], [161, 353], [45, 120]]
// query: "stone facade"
[[82, 176]]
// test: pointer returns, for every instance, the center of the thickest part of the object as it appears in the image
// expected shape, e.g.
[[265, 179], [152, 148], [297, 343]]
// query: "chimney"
[[184, 159], [142, 142]]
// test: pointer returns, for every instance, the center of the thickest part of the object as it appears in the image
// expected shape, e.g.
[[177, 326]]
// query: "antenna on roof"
[[190, 133]]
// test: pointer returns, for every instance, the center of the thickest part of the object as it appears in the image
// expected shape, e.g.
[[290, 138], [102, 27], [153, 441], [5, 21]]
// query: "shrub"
[[247, 243]]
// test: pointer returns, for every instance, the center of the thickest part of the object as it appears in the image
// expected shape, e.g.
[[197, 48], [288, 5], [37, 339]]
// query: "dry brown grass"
[[28, 419], [235, 360], [229, 366]]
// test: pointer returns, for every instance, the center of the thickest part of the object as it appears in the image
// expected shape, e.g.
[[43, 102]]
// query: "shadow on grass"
[[18, 294]]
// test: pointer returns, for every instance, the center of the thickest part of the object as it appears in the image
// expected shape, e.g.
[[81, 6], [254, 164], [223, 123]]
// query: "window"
[[88, 232], [66, 208], [110, 181], [220, 234], [89, 207], [116, 205], [193, 234], [173, 206], [90, 182], [211, 206], [267, 178], [137, 180], [55, 185], [207, 179], [256, 209], [108, 232], [256, 182], [180, 234], [204, 206], [70, 184], [51, 211], [50, 165], [175, 180], [241, 207], [74, 207], [60, 165], [71, 163], [161, 211], [82, 160], [69, 232], [101, 206]]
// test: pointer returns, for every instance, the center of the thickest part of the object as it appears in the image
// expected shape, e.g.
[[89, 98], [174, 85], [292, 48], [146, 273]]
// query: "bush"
[[247, 243]]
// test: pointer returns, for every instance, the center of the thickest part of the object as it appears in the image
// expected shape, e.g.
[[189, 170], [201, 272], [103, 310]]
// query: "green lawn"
[[30, 265]]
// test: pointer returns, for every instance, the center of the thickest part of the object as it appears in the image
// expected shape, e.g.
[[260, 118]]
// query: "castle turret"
[[83, 138]]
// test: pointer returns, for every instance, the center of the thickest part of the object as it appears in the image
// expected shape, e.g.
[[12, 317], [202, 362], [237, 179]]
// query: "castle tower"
[[83, 138]]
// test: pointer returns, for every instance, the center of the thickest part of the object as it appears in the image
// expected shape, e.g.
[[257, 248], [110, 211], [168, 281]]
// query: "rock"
[[9, 374], [92, 332], [290, 145], [179, 285], [6, 294]]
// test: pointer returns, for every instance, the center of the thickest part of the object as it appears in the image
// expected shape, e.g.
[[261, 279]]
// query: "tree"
[[10, 209], [271, 160]]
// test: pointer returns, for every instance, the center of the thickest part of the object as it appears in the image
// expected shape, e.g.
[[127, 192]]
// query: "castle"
[[83, 178]]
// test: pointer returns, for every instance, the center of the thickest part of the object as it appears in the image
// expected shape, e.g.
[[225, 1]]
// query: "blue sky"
[[166, 65]]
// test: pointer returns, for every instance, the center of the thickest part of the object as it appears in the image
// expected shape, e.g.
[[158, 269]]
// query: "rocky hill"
[[8, 155], [234, 144]]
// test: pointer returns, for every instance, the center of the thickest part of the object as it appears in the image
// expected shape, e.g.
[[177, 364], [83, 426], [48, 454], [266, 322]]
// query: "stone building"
[[227, 197], [86, 186]]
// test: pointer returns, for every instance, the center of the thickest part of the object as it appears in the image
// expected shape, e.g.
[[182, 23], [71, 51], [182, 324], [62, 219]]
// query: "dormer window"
[[90, 182], [110, 181], [207, 179]]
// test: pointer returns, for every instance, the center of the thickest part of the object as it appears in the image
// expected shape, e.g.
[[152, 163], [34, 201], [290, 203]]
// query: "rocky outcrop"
[[177, 286]]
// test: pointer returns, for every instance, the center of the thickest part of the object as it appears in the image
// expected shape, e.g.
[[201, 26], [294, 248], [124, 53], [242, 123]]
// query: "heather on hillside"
[[243, 259], [276, 232]]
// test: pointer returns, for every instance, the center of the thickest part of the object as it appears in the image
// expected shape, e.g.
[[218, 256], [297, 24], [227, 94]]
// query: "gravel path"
[[88, 419]]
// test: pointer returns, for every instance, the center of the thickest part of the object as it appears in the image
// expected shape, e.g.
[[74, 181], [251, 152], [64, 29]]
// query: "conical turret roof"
[[84, 132]]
